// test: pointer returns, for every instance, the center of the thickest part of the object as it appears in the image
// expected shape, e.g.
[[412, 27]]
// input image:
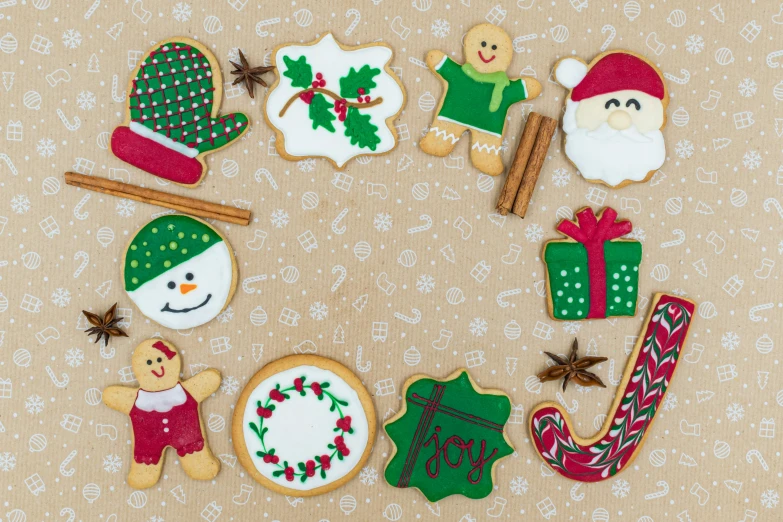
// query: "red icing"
[[592, 233], [618, 72], [150, 156], [484, 59], [168, 352]]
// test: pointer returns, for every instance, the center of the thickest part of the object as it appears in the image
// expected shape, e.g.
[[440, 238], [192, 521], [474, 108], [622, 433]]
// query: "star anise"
[[105, 326], [574, 368], [248, 76]]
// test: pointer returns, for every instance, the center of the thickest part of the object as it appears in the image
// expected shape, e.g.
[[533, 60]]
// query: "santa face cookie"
[[304, 425], [614, 116], [179, 271], [334, 101]]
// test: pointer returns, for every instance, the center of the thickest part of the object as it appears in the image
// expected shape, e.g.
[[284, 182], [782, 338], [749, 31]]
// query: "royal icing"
[[647, 376], [161, 401], [333, 102], [304, 428]]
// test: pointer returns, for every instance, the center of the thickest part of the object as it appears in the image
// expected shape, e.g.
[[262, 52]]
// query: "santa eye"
[[483, 44], [159, 359], [494, 47], [189, 276], [635, 103], [172, 285], [149, 362], [611, 102]]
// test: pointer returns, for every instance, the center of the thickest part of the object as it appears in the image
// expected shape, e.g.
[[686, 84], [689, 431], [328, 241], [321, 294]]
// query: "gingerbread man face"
[[488, 48], [156, 365]]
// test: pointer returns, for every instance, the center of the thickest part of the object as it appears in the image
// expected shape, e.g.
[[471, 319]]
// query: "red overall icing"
[[152, 157], [618, 72]]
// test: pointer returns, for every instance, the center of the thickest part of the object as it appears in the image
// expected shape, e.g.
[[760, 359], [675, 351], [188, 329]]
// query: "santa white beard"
[[609, 155]]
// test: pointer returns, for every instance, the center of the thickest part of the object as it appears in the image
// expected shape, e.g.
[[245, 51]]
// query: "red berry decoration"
[[316, 389], [326, 462], [310, 468], [264, 412], [289, 474], [360, 90], [344, 423], [275, 459], [298, 384], [275, 395], [366, 99], [319, 76], [267, 458]]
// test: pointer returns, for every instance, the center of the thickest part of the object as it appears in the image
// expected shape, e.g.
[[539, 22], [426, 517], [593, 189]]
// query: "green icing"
[[452, 451], [360, 130], [163, 244], [364, 78], [321, 112], [622, 259], [300, 72]]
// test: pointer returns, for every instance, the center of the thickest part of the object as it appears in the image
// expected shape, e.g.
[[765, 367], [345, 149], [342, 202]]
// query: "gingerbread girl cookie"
[[476, 97], [164, 412]]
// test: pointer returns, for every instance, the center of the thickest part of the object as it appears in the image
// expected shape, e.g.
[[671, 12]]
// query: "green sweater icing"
[[164, 243]]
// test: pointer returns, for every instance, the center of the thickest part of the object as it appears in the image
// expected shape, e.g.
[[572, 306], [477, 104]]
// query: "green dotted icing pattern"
[[164, 243], [569, 280]]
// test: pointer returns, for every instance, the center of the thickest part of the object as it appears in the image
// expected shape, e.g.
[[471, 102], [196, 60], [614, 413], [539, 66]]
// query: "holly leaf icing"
[[359, 129], [321, 113], [354, 80], [299, 71]]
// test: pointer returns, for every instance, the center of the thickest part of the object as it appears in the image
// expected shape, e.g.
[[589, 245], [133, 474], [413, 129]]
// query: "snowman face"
[[190, 294]]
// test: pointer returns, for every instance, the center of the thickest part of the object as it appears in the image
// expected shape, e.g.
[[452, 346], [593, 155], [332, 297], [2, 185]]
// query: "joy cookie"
[[647, 376], [179, 271], [448, 437], [334, 101], [476, 97], [304, 425], [614, 116], [593, 274], [164, 412], [172, 119]]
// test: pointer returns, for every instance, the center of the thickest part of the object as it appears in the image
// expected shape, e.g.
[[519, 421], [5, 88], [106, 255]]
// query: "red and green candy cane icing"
[[651, 367]]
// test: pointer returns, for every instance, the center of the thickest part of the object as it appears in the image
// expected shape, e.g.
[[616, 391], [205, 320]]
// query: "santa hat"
[[613, 72]]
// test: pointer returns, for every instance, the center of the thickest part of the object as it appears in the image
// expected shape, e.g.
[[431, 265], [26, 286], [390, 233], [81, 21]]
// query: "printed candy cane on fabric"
[[643, 387]]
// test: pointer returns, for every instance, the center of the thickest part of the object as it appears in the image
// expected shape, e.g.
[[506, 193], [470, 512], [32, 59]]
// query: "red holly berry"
[[310, 468], [316, 387], [275, 459], [339, 442], [307, 96], [344, 423], [366, 99], [289, 474], [275, 395], [360, 90], [298, 384], [315, 83], [264, 412], [322, 83], [267, 458], [326, 462], [319, 76]]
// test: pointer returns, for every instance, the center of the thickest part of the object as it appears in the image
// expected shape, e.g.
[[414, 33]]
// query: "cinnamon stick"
[[534, 164], [186, 205], [514, 177]]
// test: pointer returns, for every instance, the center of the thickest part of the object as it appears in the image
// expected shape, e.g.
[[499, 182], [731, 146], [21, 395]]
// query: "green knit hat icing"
[[164, 243]]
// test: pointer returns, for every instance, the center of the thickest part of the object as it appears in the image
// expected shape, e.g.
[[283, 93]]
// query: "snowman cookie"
[[164, 412], [476, 97], [179, 271]]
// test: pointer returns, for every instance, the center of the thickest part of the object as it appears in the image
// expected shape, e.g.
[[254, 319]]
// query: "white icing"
[[161, 401], [213, 273], [183, 149], [484, 147], [570, 72], [444, 135], [330, 60], [301, 427]]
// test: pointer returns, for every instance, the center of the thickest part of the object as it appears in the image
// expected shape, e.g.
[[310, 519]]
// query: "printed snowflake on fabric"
[[751, 160], [679, 292], [669, 402], [534, 233], [694, 44], [621, 488], [61, 297], [112, 463], [72, 39], [747, 88], [478, 327], [440, 28], [780, 247], [226, 315], [74, 357], [638, 234], [425, 284], [571, 327], [126, 207], [561, 177], [7, 461], [735, 412], [770, 499], [280, 218], [155, 518], [86, 100], [319, 311], [181, 12], [382, 222], [20, 204], [34, 405], [46, 147], [684, 149], [306, 165], [730, 341], [230, 385], [368, 476], [518, 485]]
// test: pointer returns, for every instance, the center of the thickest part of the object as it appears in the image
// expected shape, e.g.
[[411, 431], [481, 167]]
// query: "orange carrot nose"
[[185, 288]]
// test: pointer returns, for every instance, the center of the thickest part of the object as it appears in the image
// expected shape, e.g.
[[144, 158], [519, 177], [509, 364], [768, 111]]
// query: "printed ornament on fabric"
[[614, 116], [334, 101], [476, 97], [304, 425], [593, 274], [164, 412], [647, 376], [448, 437], [179, 271], [172, 119]]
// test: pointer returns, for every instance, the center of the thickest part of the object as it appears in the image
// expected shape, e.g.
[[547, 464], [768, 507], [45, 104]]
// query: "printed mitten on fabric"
[[172, 120]]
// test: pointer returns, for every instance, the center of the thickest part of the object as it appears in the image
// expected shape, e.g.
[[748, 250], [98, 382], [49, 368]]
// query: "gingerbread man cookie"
[[164, 412], [476, 97]]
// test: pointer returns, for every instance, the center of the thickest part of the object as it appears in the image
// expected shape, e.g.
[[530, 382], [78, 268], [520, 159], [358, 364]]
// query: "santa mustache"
[[606, 133]]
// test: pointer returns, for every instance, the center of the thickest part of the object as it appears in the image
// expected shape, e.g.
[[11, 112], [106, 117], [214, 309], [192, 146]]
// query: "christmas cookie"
[[614, 116], [476, 96], [448, 437], [334, 101], [593, 274], [647, 376], [172, 119], [304, 425], [179, 271], [164, 412]]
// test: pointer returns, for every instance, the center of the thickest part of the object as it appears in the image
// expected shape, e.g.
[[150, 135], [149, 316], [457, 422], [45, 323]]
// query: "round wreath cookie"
[[304, 425], [179, 271]]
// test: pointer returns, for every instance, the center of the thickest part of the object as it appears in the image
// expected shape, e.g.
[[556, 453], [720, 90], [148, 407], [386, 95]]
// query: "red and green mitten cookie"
[[172, 118], [448, 437]]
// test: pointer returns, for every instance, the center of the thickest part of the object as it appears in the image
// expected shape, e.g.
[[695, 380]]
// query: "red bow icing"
[[592, 233]]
